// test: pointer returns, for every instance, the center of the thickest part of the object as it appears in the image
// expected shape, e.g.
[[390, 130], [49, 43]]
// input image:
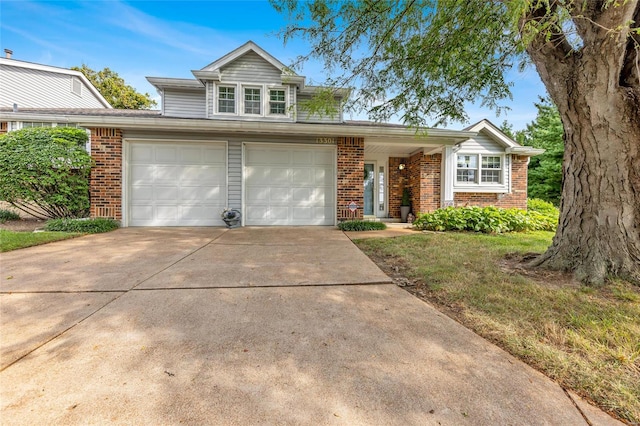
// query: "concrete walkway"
[[244, 326]]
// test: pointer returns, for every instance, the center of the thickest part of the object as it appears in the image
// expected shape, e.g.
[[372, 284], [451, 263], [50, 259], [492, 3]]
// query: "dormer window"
[[226, 99], [252, 101], [277, 102]]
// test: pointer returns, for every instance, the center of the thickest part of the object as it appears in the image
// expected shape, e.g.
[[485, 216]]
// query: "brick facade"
[[106, 175], [517, 198], [397, 181], [425, 181], [4, 127], [350, 177]]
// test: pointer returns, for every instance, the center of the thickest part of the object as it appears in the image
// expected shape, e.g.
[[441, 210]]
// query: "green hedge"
[[361, 225], [86, 226], [6, 215], [485, 219]]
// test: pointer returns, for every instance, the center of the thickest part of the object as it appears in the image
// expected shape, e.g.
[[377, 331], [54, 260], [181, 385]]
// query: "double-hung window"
[[227, 99], [479, 168], [277, 102], [252, 101]]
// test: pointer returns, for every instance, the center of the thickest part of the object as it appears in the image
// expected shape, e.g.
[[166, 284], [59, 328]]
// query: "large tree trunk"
[[599, 230]]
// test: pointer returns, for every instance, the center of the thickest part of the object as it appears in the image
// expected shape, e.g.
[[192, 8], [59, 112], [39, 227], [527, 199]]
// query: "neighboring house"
[[29, 85], [238, 135]]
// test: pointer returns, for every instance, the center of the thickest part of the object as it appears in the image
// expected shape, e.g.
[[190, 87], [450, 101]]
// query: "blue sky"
[[169, 39]]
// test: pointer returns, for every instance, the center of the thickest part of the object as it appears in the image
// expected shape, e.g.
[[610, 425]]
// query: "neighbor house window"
[[252, 101], [491, 171], [27, 124], [467, 169], [277, 102], [486, 168], [227, 99]]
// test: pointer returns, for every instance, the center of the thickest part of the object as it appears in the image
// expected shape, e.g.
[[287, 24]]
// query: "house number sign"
[[326, 141]]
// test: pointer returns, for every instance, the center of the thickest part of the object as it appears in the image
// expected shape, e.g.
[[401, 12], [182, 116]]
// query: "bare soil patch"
[[23, 225]]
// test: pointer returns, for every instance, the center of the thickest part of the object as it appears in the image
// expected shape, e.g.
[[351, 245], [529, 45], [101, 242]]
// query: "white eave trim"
[[526, 151], [371, 132], [161, 83], [245, 48]]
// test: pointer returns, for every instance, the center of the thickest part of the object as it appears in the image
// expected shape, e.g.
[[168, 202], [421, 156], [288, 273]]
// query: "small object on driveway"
[[231, 217]]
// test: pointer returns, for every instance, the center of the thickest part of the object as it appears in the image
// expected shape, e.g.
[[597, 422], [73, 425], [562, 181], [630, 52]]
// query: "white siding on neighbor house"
[[251, 68], [184, 103], [30, 88], [235, 174], [481, 144]]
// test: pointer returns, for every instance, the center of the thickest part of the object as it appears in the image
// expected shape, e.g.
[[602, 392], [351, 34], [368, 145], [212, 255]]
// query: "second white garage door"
[[177, 184], [289, 185]]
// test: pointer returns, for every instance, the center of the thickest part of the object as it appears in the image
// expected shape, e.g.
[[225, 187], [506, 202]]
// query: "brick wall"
[[350, 177], [106, 175], [517, 198], [424, 180], [4, 127], [397, 181]]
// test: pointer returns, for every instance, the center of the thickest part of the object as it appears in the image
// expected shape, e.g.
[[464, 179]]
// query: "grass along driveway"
[[13, 240], [587, 339]]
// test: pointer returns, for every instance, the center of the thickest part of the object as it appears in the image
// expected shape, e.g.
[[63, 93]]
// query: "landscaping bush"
[[361, 225], [86, 226], [541, 206], [45, 171], [6, 215], [485, 219]]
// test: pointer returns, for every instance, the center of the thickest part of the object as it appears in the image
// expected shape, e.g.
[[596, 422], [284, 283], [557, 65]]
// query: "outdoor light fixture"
[[401, 166]]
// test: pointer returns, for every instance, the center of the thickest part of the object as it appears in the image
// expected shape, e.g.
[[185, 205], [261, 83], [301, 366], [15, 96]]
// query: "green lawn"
[[12, 240], [587, 339]]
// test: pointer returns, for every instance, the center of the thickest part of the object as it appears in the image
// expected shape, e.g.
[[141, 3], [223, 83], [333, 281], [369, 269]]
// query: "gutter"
[[526, 151], [249, 127]]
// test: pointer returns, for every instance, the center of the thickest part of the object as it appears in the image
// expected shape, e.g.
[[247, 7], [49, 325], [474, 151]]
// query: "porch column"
[[448, 176], [350, 178], [105, 187]]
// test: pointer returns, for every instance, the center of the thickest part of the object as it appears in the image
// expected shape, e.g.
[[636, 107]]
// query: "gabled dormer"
[[245, 84]]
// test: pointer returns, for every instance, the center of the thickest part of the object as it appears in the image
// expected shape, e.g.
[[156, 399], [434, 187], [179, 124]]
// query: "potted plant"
[[405, 206], [231, 217]]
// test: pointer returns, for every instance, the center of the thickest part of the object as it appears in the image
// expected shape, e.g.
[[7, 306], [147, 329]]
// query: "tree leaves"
[[115, 90]]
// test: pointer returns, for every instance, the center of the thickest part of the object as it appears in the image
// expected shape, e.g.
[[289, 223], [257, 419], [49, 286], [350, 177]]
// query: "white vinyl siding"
[[481, 165], [184, 103], [251, 68], [29, 88], [235, 175], [303, 115]]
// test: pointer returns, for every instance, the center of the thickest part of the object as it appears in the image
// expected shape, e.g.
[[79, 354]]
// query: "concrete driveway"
[[244, 326]]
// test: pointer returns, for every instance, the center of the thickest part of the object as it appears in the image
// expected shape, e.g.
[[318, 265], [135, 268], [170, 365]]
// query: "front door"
[[369, 189]]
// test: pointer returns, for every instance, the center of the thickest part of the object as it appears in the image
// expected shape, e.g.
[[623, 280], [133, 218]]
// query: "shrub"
[[6, 215], [86, 226], [541, 206], [485, 219], [45, 171], [361, 225]]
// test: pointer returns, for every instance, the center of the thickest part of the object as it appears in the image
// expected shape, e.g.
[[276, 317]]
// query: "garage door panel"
[[166, 155], [299, 194], [177, 184], [165, 193]]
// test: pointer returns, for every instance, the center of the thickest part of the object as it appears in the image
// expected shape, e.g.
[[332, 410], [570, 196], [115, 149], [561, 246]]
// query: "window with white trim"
[[252, 101], [473, 167], [277, 102], [28, 124], [226, 99]]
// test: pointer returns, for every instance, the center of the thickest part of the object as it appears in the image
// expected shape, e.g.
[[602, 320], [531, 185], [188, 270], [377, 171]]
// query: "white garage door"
[[289, 185], [177, 184]]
